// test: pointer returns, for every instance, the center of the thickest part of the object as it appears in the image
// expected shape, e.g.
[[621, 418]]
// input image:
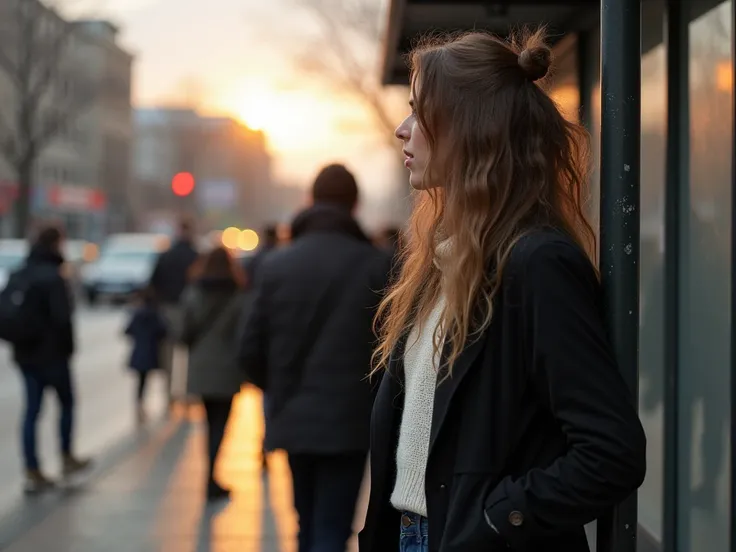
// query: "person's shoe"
[[36, 482], [216, 492], [73, 465]]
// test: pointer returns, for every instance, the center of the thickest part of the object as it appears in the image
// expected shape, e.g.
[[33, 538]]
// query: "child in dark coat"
[[146, 329]]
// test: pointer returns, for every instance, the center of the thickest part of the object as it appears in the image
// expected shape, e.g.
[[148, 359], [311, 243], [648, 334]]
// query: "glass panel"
[[706, 290], [651, 336]]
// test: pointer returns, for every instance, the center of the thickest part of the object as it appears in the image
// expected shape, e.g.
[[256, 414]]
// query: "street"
[[104, 397]]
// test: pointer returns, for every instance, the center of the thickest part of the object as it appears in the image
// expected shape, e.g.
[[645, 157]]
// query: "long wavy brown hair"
[[508, 163]]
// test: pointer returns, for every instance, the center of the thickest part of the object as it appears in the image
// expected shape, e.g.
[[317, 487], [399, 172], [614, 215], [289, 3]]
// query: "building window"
[[705, 292]]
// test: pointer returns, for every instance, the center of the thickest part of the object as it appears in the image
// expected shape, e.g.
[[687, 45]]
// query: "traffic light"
[[182, 184]]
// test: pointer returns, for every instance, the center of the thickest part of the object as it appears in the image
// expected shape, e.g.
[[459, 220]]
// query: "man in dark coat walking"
[[308, 343], [169, 278]]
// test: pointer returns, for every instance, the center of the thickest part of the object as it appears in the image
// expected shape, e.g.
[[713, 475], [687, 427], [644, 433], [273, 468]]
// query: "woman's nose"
[[402, 132]]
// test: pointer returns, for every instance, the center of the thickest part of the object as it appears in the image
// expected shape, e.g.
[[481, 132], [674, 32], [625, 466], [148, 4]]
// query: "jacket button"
[[516, 518], [443, 487]]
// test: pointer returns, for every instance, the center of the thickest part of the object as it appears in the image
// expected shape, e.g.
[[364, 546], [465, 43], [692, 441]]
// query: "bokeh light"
[[248, 240], [182, 184], [230, 237]]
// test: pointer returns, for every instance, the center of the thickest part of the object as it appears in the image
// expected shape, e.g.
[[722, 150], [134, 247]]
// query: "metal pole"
[[732, 529], [677, 182], [619, 241]]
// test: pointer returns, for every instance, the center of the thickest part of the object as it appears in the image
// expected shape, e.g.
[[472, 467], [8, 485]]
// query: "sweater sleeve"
[[576, 377]]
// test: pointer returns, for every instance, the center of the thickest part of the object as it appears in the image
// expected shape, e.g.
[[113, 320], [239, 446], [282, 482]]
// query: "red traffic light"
[[182, 184]]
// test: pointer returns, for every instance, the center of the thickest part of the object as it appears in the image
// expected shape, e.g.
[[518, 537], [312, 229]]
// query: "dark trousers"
[[36, 379], [326, 489], [218, 412], [142, 384]]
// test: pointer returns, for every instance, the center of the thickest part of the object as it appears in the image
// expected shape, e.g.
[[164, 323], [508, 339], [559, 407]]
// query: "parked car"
[[12, 255], [123, 268]]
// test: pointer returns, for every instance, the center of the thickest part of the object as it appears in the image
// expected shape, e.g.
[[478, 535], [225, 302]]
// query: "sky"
[[237, 57]]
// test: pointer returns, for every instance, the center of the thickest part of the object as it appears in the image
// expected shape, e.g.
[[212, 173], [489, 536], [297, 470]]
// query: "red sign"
[[8, 194], [76, 198]]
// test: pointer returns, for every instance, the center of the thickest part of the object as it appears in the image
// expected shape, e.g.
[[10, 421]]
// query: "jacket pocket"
[[466, 528]]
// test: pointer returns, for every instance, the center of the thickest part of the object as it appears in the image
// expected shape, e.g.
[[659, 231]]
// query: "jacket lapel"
[[447, 387]]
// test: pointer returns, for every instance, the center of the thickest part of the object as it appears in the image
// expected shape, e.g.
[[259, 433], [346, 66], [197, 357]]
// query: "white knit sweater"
[[420, 381]]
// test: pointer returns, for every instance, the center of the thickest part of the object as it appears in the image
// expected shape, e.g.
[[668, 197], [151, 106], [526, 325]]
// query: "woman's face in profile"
[[415, 149]]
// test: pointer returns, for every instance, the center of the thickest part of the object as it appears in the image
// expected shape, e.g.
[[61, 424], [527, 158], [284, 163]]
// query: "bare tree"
[[47, 90], [346, 50]]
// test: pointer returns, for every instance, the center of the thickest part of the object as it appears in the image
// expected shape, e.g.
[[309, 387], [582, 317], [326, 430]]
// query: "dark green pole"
[[619, 241]]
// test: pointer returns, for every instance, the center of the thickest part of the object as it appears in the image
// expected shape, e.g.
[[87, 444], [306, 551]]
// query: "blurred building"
[[229, 163], [82, 174], [687, 372]]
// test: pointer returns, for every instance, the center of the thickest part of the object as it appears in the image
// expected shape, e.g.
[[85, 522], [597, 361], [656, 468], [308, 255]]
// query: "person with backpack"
[[146, 330], [37, 303], [307, 343], [211, 307]]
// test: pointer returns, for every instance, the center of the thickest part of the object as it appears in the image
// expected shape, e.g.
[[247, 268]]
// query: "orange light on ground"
[[230, 237], [724, 76], [182, 184]]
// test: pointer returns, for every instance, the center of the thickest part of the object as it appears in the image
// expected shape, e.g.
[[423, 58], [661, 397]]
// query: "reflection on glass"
[[651, 337], [705, 293]]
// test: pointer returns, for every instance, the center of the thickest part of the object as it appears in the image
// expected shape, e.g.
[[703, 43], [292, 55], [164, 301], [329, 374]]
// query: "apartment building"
[[81, 174]]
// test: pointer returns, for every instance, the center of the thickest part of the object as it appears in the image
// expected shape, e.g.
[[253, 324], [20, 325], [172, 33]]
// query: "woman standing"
[[501, 422], [211, 311]]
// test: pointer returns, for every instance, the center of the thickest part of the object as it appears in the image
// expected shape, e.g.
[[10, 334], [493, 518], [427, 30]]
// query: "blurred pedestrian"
[[308, 343], [147, 330], [502, 421], [211, 311], [270, 242], [168, 281], [44, 358]]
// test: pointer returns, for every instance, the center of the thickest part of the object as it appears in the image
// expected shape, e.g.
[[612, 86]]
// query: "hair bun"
[[535, 62]]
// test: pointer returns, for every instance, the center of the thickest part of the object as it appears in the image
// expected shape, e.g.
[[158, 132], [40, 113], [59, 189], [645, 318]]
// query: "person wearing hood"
[[307, 342], [210, 313], [44, 362]]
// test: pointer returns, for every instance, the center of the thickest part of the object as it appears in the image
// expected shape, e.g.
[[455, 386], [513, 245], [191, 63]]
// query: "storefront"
[[684, 274], [80, 210]]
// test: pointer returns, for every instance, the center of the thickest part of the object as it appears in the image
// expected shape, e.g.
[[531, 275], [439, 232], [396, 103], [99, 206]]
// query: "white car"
[[118, 274], [10, 259]]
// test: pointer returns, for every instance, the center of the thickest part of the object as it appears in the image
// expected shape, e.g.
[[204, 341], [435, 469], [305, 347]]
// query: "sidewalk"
[[153, 501]]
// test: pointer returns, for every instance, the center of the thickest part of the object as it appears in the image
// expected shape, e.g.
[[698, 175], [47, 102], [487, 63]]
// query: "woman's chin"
[[416, 182]]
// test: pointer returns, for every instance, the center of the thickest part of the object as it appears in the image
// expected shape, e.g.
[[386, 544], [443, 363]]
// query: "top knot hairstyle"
[[503, 162]]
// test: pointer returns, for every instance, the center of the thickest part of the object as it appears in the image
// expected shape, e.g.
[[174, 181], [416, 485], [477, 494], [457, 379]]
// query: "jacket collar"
[[41, 255], [326, 218]]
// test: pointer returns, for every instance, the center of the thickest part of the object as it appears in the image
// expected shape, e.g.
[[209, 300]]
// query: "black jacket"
[[170, 275], [535, 429], [321, 403], [51, 297]]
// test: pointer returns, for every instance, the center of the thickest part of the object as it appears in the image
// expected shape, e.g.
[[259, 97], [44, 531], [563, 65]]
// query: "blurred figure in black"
[[44, 361], [168, 282], [146, 330], [269, 242], [308, 343]]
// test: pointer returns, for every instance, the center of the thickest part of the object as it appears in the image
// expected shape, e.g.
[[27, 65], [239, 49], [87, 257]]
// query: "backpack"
[[20, 320]]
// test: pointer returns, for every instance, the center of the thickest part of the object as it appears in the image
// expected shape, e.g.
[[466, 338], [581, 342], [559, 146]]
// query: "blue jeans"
[[414, 533], [36, 379]]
